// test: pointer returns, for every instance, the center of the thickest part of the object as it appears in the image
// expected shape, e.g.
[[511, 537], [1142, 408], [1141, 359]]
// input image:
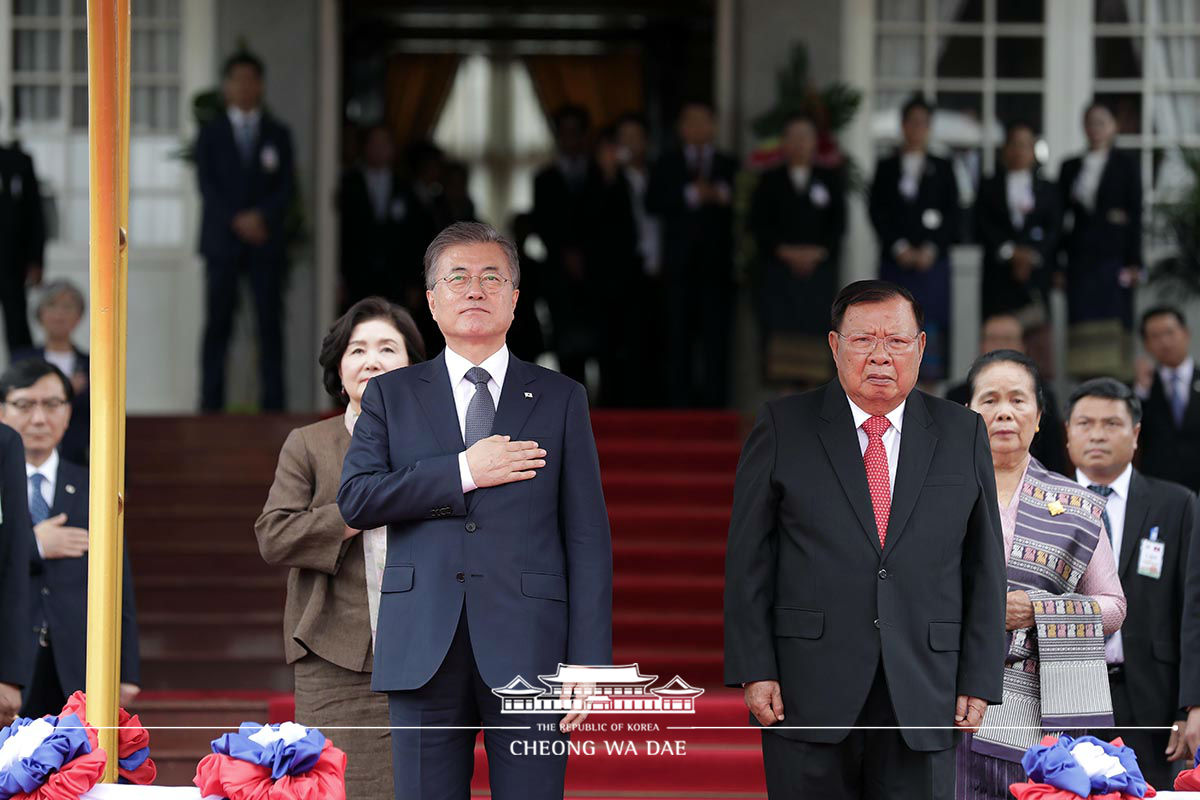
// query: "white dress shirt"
[[800, 177], [1114, 651], [49, 471], [463, 390], [891, 437], [63, 359], [374, 550], [912, 165], [1089, 178], [1019, 191]]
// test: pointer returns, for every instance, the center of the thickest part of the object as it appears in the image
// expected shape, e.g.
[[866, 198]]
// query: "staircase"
[[211, 611]]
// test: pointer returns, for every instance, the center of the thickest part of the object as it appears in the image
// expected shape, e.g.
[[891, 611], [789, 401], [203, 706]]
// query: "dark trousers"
[[16, 314], [45, 694], [431, 762], [1150, 746], [266, 282], [699, 327], [866, 765]]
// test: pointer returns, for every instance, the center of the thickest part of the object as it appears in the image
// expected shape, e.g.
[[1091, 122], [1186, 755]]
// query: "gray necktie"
[[1179, 399], [39, 509], [1104, 491], [481, 411]]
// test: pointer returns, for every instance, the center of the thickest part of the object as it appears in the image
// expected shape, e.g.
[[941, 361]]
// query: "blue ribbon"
[[282, 759], [1054, 765], [64, 745]]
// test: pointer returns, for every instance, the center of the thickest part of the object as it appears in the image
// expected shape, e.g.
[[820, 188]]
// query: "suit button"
[[876, 623], [45, 591], [883, 575], [461, 578], [471, 527]]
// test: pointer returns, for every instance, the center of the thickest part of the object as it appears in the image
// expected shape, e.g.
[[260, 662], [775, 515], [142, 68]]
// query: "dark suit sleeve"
[[762, 223], [879, 206], [274, 206], [131, 669], [374, 494], [1051, 219], [16, 543], [981, 659], [1133, 251], [836, 228], [34, 234], [208, 170], [992, 229], [750, 557], [584, 521], [1189, 672], [664, 194]]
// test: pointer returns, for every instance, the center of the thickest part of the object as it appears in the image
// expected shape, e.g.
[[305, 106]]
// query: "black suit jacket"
[[60, 597], [1038, 231], [382, 255], [22, 227], [76, 440], [1154, 613], [812, 601], [531, 561], [932, 217], [698, 241], [229, 185], [16, 542], [1114, 226], [1167, 450]]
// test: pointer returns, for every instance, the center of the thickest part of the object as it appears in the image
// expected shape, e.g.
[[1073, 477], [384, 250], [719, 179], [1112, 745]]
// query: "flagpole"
[[106, 192]]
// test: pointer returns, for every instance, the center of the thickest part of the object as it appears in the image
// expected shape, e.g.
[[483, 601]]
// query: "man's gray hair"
[[55, 289], [461, 233]]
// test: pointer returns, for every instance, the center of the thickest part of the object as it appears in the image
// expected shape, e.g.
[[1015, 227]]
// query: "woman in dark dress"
[[1101, 194], [798, 216]]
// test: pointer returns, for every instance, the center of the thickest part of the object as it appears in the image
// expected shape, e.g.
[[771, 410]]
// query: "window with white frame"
[[1146, 67], [982, 62], [49, 113]]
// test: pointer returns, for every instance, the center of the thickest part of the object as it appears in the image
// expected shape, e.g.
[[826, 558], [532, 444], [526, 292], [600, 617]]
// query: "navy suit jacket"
[[532, 560], [16, 540], [60, 592], [229, 185]]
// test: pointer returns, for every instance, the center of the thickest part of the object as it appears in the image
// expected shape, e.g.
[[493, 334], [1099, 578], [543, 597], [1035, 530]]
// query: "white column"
[[859, 252], [1069, 70], [329, 71]]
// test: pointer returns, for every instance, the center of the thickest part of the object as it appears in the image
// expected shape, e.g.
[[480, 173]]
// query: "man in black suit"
[[1049, 446], [1016, 220], [865, 572], [1170, 390], [244, 166], [499, 561], [560, 217], [36, 399], [383, 227], [16, 541], [23, 232], [1151, 524], [691, 191]]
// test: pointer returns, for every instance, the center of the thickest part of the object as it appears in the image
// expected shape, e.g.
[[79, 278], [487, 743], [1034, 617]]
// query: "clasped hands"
[[250, 226], [765, 701]]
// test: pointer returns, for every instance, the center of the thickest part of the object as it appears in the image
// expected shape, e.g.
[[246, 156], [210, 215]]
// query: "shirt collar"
[[1120, 486], [1184, 371], [239, 117], [49, 468], [895, 416], [496, 365]]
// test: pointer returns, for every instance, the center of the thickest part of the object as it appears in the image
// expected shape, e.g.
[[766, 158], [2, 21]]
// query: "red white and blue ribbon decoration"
[[273, 762], [134, 764], [1068, 768], [51, 758]]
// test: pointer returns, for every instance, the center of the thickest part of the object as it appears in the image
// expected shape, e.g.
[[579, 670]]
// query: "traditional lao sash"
[[1054, 675]]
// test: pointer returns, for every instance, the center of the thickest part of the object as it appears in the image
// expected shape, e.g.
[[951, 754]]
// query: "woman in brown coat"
[[333, 587]]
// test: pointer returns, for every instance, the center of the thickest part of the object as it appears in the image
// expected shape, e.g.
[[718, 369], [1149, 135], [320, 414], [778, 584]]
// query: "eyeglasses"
[[490, 282], [49, 405], [865, 344]]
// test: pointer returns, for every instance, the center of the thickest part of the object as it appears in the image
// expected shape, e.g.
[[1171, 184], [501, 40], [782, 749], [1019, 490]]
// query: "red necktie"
[[875, 460]]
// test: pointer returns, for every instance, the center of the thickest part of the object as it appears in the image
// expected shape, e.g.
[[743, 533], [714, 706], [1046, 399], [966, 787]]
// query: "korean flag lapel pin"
[[69, 489], [529, 395]]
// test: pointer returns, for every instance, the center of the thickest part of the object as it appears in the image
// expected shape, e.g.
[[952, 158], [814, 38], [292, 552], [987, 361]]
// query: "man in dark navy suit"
[[23, 232], [36, 399], [16, 540], [244, 166], [499, 561]]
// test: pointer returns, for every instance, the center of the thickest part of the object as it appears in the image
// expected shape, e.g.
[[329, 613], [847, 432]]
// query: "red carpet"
[[212, 609]]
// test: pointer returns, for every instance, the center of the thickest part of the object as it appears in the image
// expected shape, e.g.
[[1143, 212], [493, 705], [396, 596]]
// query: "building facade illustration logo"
[[606, 690]]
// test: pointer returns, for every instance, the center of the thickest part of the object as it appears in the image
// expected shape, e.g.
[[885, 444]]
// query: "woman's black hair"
[[333, 347]]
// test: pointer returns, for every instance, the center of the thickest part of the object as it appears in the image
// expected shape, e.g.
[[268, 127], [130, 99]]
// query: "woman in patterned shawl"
[[1064, 595]]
